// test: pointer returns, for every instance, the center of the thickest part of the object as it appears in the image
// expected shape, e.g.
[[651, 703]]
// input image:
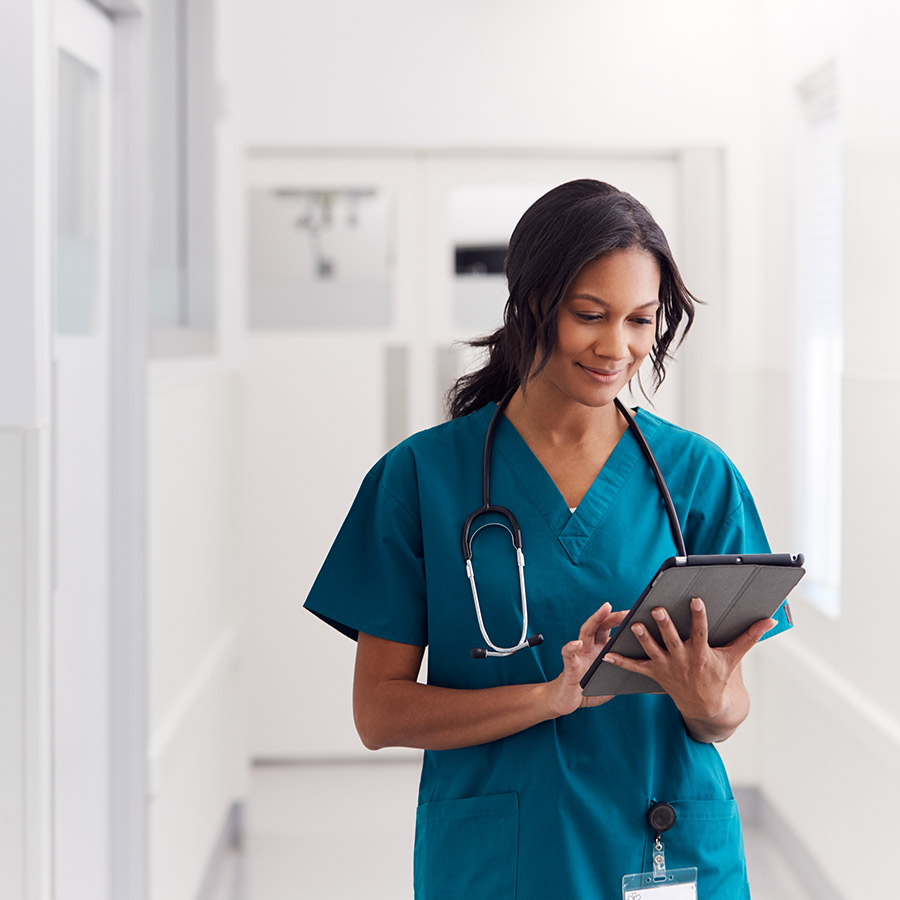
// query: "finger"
[[699, 622], [613, 620], [740, 646], [671, 637], [592, 626], [645, 639], [641, 666], [597, 701]]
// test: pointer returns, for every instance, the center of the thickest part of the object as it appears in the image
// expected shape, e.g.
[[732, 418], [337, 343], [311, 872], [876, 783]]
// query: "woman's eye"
[[588, 317], [642, 321]]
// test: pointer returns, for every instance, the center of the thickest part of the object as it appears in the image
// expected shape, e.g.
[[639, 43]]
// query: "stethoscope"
[[512, 527]]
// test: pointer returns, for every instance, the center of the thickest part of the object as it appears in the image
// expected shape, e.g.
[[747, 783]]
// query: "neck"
[[538, 416]]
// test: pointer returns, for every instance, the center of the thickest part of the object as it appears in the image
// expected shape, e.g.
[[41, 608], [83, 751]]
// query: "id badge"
[[661, 883], [679, 884]]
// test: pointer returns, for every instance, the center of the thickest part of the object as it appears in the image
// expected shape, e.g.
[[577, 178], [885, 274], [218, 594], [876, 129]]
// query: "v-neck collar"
[[573, 530]]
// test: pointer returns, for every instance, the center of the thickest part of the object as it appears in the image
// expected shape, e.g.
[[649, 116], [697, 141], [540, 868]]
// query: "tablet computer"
[[738, 590]]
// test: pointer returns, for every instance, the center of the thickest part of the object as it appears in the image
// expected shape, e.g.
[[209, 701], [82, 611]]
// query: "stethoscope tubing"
[[674, 524], [520, 565]]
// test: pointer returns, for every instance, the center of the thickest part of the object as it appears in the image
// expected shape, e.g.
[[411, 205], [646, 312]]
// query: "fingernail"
[[611, 659], [696, 604], [659, 614], [638, 630]]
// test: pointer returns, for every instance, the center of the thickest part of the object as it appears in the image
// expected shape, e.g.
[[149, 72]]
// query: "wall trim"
[[128, 642], [229, 844], [167, 737], [38, 726], [849, 702]]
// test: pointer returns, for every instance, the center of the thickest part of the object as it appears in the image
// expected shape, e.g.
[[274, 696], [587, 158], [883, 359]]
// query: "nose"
[[612, 344]]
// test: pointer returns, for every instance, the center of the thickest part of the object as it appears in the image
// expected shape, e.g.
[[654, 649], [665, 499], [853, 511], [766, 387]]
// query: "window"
[[319, 257], [183, 232], [818, 375]]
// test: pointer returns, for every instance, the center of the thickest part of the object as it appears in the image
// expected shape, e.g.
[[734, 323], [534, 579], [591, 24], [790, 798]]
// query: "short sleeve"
[[742, 531], [373, 579]]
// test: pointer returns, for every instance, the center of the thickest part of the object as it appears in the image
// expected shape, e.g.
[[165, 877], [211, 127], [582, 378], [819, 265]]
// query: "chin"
[[597, 399]]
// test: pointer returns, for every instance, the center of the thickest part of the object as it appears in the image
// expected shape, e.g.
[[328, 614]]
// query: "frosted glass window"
[[481, 219], [819, 347], [183, 223], [319, 258], [78, 215]]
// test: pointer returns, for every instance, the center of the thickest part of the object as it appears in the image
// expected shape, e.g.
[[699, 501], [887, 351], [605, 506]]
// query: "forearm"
[[403, 713], [709, 726]]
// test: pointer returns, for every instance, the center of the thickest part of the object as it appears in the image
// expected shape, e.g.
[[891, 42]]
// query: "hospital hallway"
[[345, 830]]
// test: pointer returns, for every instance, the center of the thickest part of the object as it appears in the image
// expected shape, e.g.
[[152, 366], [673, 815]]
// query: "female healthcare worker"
[[529, 790]]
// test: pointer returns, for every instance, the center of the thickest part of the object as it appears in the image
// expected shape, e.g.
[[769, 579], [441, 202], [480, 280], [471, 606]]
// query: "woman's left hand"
[[704, 682]]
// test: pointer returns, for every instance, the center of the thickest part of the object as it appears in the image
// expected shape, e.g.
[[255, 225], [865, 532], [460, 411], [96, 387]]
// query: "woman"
[[528, 790]]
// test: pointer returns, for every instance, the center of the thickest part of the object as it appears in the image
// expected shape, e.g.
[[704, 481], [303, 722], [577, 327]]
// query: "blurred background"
[[240, 242]]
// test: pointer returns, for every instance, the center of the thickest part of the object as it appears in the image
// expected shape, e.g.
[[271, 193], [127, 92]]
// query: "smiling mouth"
[[602, 374]]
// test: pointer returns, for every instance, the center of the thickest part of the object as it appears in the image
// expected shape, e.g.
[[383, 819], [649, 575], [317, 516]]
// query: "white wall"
[[196, 754], [830, 722], [197, 749]]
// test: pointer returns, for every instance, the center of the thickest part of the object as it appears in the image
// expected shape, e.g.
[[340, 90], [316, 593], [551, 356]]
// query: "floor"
[[344, 831]]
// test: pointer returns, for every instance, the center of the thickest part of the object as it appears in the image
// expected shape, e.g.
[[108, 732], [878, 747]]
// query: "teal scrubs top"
[[557, 810]]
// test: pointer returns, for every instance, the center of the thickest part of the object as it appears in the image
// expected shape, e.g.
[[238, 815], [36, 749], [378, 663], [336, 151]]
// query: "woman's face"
[[605, 327]]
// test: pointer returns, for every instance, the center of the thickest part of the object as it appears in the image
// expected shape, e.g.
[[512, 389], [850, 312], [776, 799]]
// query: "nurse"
[[528, 790]]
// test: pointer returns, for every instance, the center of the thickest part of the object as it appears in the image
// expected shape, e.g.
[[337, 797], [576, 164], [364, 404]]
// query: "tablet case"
[[737, 591]]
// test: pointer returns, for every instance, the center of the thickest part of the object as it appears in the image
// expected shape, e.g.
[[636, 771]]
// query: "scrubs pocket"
[[707, 834], [467, 848]]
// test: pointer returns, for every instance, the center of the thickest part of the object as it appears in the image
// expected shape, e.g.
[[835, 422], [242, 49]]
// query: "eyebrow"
[[651, 303]]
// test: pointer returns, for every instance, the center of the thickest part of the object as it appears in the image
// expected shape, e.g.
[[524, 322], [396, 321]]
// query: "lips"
[[602, 374]]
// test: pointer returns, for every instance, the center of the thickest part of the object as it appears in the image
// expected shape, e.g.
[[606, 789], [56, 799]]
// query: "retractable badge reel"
[[661, 883]]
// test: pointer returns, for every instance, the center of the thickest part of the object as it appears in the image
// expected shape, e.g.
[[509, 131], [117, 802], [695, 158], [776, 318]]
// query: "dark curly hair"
[[570, 226]]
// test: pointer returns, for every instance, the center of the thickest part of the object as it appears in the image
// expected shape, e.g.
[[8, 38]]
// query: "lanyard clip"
[[659, 860], [660, 817]]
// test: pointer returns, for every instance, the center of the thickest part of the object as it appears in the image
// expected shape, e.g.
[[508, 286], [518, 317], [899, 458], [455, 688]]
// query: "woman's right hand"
[[564, 692], [392, 709]]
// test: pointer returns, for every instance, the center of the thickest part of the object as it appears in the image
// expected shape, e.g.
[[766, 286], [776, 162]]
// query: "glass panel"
[[167, 261], [182, 138], [482, 218], [78, 221], [319, 258]]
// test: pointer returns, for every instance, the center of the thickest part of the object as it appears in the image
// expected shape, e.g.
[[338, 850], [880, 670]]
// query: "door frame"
[[128, 847], [129, 314]]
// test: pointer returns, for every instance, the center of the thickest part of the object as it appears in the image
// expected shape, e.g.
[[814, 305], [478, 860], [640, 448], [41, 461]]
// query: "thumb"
[[570, 652], [742, 644]]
